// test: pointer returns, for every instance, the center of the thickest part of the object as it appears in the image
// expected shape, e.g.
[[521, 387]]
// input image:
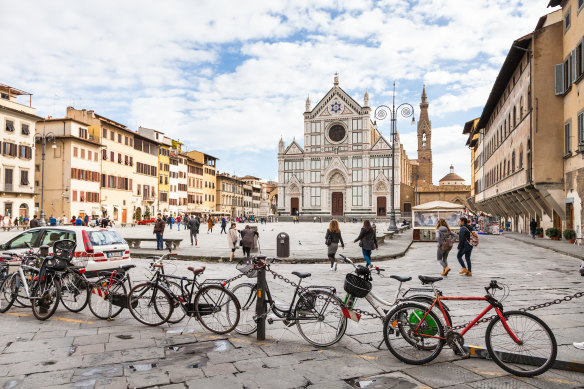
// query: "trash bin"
[[282, 245]]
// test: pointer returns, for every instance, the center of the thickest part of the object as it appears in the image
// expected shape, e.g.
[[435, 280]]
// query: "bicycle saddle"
[[301, 274], [400, 278], [196, 270], [429, 279], [127, 267]]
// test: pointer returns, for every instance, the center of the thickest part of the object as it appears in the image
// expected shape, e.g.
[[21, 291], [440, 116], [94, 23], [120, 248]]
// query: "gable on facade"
[[381, 144], [294, 148], [336, 102]]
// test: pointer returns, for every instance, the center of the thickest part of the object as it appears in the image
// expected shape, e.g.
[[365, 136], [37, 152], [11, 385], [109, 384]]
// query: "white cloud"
[[227, 75]]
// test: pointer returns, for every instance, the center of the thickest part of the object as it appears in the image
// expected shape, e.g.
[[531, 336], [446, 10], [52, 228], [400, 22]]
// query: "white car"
[[104, 249]]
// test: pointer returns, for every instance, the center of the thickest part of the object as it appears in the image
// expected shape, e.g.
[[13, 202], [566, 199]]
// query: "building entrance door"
[[124, 215], [294, 207], [569, 216], [381, 206], [337, 204]]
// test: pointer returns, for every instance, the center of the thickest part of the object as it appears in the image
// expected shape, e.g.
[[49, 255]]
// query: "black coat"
[[368, 241], [464, 238]]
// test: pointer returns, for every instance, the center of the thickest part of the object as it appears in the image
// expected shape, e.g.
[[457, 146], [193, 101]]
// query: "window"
[[567, 19], [24, 177], [513, 161], [521, 156], [580, 5], [315, 197], [357, 124], [119, 138], [580, 128], [127, 141], [89, 155], [357, 162], [119, 158], [315, 176], [25, 130], [82, 153], [104, 133], [315, 140], [514, 117], [357, 175], [75, 151], [112, 156], [74, 195], [358, 195], [567, 136], [315, 127], [315, 164], [357, 137], [9, 126]]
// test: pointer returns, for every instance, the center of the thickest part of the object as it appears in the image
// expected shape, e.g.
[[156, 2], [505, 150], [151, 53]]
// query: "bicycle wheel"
[[7, 293], [534, 356], [107, 301], [74, 292], [177, 295], [22, 301], [150, 304], [217, 309], [410, 339], [319, 319], [45, 296], [246, 295]]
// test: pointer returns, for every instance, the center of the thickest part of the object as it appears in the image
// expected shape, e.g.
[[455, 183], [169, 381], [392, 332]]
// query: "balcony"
[[148, 199]]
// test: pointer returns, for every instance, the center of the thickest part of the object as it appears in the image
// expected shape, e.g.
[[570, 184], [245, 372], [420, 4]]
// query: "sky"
[[229, 78]]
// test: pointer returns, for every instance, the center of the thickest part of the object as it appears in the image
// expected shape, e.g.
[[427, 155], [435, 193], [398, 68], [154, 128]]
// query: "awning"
[[435, 205]]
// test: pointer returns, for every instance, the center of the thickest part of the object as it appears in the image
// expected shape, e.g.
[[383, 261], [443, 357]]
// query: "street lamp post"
[[42, 139], [405, 110]]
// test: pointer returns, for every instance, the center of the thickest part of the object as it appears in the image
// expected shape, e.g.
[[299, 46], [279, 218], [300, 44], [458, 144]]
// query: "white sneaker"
[[579, 345]]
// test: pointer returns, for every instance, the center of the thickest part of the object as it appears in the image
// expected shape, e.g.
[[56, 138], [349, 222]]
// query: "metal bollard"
[[261, 306]]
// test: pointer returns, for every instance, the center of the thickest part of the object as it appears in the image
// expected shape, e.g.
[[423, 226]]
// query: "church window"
[[357, 124], [513, 161], [315, 197], [326, 162], [357, 175], [315, 140], [315, 164], [521, 108], [345, 161], [521, 156], [356, 162], [514, 117], [315, 127], [315, 176], [424, 140], [358, 195], [357, 137]]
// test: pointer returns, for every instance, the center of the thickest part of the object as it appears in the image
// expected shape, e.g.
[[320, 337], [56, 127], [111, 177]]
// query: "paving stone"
[[81, 332], [56, 364], [37, 355], [90, 349], [181, 373], [285, 377], [146, 379], [224, 382], [287, 348], [12, 382], [249, 364], [52, 378], [442, 374], [174, 386], [42, 344], [118, 344], [99, 371], [214, 369], [107, 358], [500, 382], [91, 339], [239, 354], [141, 354], [50, 334]]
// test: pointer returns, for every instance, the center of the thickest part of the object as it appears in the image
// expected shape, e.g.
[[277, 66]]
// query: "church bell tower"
[[424, 142]]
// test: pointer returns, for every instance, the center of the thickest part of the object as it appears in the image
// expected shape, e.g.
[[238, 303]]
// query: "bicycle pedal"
[[270, 321]]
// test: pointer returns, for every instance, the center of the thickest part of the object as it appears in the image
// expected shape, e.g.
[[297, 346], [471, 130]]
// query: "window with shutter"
[[574, 61], [581, 128], [9, 126], [25, 130], [567, 136], [559, 79]]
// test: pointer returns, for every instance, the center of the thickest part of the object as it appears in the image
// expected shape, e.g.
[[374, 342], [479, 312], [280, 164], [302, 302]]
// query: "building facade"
[[72, 170], [209, 181], [194, 186], [344, 168], [145, 178], [229, 195], [518, 144], [17, 159]]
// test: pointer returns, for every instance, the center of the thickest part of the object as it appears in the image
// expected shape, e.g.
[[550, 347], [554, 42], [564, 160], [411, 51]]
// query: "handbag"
[[328, 240]]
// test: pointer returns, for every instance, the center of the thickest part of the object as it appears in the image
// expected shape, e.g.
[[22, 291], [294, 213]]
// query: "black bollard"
[[261, 306]]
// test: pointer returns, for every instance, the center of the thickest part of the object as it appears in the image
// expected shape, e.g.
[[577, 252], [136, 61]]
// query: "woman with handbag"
[[232, 238], [464, 247], [367, 241], [332, 239], [444, 237]]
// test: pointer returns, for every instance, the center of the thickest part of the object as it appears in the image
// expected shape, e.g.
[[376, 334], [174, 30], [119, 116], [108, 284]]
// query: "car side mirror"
[[3, 246]]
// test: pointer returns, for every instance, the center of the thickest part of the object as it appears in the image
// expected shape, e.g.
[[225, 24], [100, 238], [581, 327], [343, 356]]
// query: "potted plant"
[[553, 233], [570, 235], [539, 232]]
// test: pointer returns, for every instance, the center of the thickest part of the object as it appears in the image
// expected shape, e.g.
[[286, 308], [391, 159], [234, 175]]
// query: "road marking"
[[52, 318], [492, 373]]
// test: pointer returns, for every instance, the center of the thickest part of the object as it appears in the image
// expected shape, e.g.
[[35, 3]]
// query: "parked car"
[[147, 221], [103, 248]]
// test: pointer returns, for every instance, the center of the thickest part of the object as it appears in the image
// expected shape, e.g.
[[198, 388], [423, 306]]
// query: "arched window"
[[505, 129], [504, 167], [521, 156], [514, 117], [508, 167], [521, 107], [424, 140], [513, 161], [529, 98]]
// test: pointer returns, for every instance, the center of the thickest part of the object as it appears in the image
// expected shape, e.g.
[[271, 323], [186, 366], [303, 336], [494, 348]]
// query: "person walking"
[[367, 241], [223, 225], [332, 239], [34, 222], [79, 221], [86, 220], [232, 239], [247, 240], [464, 247], [178, 220], [159, 232], [193, 226], [532, 227], [444, 237], [171, 221], [209, 225]]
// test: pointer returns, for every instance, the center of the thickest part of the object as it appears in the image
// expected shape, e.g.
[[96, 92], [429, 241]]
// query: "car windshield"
[[104, 238]]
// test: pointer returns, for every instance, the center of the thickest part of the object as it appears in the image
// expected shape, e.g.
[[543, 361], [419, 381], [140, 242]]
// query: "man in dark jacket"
[[464, 246], [159, 231], [248, 240], [532, 227], [34, 222], [223, 225], [193, 226]]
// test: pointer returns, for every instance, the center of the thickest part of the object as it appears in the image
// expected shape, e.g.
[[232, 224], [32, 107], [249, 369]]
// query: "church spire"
[[424, 97], [424, 119], [366, 98], [308, 103], [336, 79], [281, 145]]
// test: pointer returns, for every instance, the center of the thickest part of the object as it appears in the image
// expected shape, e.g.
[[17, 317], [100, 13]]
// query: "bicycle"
[[108, 295], [358, 285], [519, 342], [16, 287], [315, 312], [152, 302]]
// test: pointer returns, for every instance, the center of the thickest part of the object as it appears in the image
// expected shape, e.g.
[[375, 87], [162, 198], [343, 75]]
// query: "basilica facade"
[[344, 167]]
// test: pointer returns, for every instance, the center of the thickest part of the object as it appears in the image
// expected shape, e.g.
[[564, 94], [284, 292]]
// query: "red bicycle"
[[519, 342]]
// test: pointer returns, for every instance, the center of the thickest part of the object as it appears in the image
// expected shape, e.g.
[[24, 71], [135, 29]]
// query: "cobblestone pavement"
[[560, 246], [78, 350]]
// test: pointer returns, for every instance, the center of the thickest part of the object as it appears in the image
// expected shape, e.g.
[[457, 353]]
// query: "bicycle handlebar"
[[492, 286]]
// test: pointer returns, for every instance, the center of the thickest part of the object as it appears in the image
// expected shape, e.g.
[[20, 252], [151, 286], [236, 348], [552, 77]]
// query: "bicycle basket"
[[64, 249], [247, 268], [307, 301], [357, 286], [56, 264]]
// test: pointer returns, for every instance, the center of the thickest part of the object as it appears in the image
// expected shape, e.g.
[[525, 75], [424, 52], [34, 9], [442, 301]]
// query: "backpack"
[[474, 238], [446, 244]]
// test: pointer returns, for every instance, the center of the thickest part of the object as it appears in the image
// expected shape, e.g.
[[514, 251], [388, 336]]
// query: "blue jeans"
[[178, 225], [170, 225], [159, 241], [466, 252], [367, 256]]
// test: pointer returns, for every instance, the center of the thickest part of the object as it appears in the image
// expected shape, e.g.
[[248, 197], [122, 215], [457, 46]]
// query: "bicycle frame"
[[493, 303]]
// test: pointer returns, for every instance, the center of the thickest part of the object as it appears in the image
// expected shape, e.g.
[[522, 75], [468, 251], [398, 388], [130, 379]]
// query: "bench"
[[380, 239], [170, 243], [389, 234]]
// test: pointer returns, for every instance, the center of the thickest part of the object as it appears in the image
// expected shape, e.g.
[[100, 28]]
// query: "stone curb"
[[205, 258], [535, 243]]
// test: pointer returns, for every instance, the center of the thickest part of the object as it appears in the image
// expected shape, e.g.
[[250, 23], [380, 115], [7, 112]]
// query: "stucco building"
[[229, 195], [209, 181], [344, 168], [145, 178], [17, 160]]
